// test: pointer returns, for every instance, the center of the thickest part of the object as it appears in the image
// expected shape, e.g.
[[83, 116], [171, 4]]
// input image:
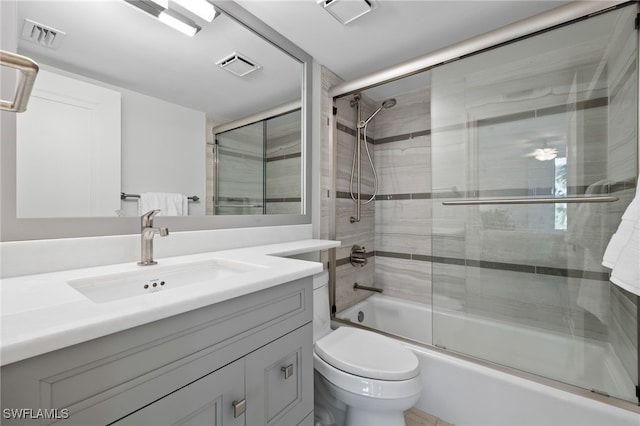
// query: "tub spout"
[[357, 286]]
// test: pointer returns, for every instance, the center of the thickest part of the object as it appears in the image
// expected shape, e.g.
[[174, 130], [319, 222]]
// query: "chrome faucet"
[[146, 234]]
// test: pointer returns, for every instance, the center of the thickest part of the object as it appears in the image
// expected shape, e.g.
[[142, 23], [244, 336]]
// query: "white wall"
[[163, 150]]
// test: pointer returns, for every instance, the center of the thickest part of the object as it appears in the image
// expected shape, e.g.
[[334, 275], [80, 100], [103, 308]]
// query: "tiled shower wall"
[[403, 204], [337, 207], [283, 164]]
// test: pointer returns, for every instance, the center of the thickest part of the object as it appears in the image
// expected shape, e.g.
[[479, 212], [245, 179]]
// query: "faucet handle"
[[146, 220]]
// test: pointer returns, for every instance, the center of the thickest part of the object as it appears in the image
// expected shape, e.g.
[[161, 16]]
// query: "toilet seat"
[[358, 387], [367, 355]]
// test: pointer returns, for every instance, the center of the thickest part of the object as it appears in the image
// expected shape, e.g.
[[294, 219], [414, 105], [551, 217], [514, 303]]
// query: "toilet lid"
[[367, 354]]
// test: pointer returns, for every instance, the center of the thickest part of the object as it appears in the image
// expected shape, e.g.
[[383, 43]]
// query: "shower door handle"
[[531, 200]]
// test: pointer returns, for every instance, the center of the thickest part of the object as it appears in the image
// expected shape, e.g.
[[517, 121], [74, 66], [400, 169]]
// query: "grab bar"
[[28, 71], [548, 200], [357, 286]]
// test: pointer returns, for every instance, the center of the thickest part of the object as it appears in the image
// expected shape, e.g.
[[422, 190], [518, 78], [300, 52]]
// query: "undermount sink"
[[117, 286]]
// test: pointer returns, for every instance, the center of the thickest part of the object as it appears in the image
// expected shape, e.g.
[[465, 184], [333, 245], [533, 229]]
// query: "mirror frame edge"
[[17, 229]]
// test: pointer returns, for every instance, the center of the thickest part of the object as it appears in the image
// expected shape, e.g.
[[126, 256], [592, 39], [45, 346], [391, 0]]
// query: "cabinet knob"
[[239, 407], [288, 371]]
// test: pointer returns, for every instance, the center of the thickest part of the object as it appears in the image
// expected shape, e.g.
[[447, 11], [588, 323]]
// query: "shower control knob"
[[358, 256]]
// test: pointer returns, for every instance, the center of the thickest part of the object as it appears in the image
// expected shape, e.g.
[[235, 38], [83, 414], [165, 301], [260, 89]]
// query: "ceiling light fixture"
[[162, 3], [545, 154], [346, 11], [168, 17], [201, 8]]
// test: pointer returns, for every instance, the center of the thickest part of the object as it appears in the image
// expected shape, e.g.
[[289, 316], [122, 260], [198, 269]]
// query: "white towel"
[[623, 252], [170, 204]]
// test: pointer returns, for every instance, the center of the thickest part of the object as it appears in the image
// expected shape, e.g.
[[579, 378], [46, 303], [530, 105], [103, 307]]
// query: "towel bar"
[[124, 196]]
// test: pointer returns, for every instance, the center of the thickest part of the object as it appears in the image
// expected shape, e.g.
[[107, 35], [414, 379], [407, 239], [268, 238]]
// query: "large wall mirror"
[[129, 113]]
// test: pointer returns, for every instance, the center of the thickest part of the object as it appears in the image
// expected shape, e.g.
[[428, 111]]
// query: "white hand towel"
[[626, 272], [170, 204], [623, 252]]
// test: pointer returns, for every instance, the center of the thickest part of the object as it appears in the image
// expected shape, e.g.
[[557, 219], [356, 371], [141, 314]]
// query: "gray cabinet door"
[[207, 401], [279, 378]]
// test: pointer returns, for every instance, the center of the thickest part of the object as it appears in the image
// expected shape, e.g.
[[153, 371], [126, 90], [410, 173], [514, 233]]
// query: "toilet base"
[[336, 407], [360, 417]]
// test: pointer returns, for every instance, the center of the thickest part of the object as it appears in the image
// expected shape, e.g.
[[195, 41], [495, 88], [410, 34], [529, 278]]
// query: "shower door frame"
[[560, 16]]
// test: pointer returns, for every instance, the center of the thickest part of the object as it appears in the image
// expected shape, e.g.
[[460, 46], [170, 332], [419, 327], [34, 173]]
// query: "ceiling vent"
[[238, 64], [346, 11], [41, 34]]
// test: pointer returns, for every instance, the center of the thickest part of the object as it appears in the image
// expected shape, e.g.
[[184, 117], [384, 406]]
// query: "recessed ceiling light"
[[346, 11]]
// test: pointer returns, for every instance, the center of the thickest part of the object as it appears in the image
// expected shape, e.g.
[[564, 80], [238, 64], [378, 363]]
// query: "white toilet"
[[361, 377]]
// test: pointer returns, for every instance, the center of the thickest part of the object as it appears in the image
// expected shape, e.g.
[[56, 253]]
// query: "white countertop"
[[42, 313]]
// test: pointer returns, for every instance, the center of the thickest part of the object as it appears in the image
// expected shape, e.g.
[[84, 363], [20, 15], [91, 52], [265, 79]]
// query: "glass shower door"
[[240, 170], [517, 275]]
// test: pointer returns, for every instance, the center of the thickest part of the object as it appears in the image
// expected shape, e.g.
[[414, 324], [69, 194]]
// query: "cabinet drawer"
[[280, 374], [205, 402]]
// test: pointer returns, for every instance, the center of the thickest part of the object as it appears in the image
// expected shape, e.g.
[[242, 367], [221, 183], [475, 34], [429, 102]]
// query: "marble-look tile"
[[416, 417], [346, 276], [404, 278], [239, 177], [448, 153], [404, 166], [403, 226], [210, 176], [622, 330], [531, 300], [283, 178], [346, 146], [286, 145], [361, 233], [410, 114], [448, 231], [622, 137], [284, 208], [284, 134], [448, 287], [327, 166]]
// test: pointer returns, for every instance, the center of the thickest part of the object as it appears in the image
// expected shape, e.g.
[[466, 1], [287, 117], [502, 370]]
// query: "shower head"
[[386, 104], [389, 103]]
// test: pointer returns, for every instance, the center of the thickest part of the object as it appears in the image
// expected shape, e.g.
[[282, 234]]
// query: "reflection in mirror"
[[130, 109], [257, 167]]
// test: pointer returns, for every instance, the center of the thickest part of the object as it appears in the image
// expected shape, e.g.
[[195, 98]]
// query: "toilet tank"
[[321, 310]]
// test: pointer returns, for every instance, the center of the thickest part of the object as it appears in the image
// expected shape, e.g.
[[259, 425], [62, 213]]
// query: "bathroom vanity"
[[243, 360]]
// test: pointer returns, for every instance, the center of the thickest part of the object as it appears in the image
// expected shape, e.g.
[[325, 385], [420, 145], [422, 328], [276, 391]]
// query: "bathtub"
[[464, 392]]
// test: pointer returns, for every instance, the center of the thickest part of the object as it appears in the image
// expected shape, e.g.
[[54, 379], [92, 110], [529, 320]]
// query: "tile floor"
[[415, 417]]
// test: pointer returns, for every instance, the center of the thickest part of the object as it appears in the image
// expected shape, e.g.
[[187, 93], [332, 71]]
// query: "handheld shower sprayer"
[[361, 136]]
